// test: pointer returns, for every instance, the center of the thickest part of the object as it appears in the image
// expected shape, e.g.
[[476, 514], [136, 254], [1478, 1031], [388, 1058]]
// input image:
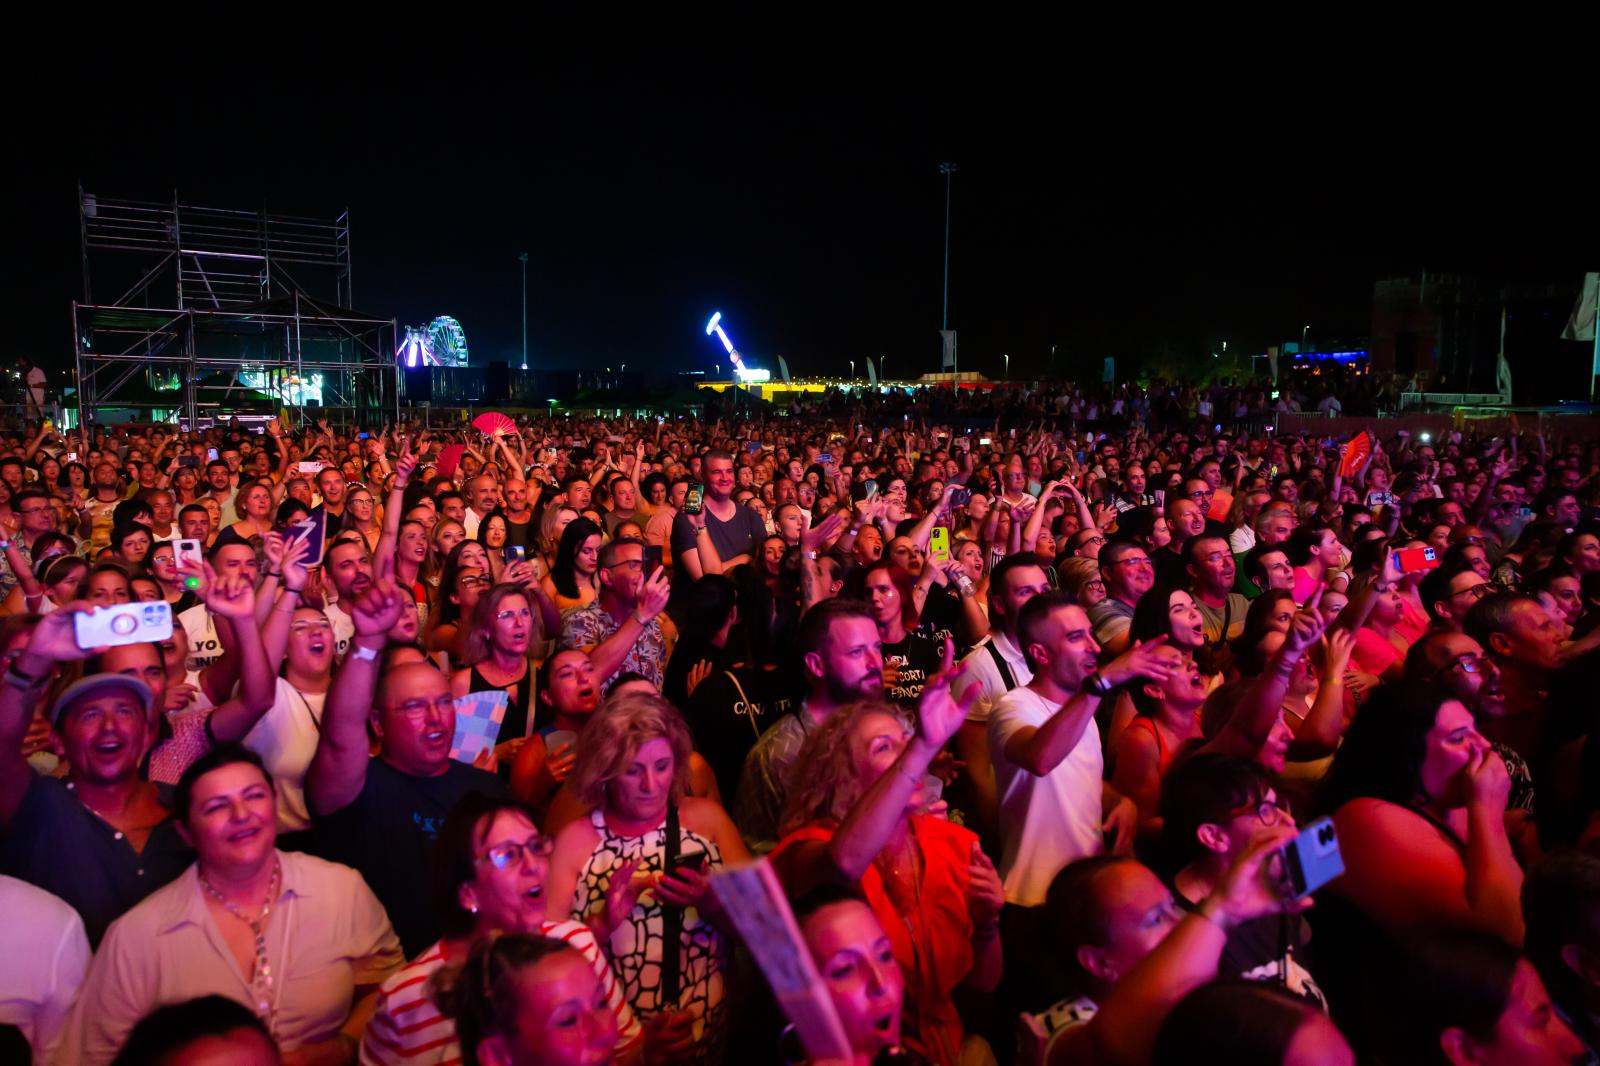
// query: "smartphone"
[[652, 559], [1411, 560], [126, 623], [362, 436], [825, 457], [983, 442], [1312, 859], [689, 860], [939, 545], [188, 460], [518, 552], [694, 499], [752, 446], [960, 497], [187, 548], [872, 489], [308, 468], [211, 455], [72, 457]]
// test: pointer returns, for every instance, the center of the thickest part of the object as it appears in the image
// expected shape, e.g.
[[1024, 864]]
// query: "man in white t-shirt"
[[995, 666], [47, 955], [1046, 749]]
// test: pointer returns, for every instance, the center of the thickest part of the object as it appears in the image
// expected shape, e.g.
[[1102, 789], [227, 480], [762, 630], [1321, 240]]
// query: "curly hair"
[[823, 783], [611, 739]]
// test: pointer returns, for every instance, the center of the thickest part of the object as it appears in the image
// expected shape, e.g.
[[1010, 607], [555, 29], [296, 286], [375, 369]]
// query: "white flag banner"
[[949, 338], [1580, 325]]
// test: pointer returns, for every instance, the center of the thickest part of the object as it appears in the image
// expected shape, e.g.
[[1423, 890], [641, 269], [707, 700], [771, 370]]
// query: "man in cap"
[[100, 839]]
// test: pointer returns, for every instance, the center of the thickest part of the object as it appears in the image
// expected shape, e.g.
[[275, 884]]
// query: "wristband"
[[365, 654], [1096, 685], [22, 682], [274, 573]]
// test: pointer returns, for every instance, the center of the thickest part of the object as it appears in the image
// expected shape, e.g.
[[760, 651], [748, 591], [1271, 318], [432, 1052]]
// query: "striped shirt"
[[407, 1028]]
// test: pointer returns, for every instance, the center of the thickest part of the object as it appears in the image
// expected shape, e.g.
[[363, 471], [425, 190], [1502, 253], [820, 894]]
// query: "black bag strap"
[[1006, 676], [671, 922]]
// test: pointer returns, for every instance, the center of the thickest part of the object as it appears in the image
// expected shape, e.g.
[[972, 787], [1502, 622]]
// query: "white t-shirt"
[[286, 739], [979, 669], [205, 647], [1045, 822], [47, 955], [344, 629]]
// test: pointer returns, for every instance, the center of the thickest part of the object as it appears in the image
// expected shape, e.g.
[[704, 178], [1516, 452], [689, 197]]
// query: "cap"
[[97, 682]]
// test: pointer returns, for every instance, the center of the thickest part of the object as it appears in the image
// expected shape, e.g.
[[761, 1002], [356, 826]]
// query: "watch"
[[1097, 686]]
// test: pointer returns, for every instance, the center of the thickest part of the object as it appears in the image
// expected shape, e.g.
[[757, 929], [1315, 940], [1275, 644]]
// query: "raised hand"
[[294, 563], [814, 538], [1138, 661], [1488, 782], [377, 610], [697, 674], [229, 595], [939, 712], [1253, 886], [653, 596], [1306, 627], [1122, 822], [54, 640]]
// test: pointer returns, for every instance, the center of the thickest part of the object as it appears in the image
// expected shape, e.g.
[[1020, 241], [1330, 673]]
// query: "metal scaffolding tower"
[[215, 314]]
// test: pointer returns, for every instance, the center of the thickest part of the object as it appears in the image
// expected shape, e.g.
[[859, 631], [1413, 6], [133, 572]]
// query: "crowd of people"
[[1026, 706]]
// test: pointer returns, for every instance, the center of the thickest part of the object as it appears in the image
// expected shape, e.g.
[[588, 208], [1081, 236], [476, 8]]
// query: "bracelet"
[[274, 573], [22, 682], [290, 588]]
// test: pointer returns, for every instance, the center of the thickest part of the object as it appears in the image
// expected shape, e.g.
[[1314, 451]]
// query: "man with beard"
[[842, 656], [521, 529], [349, 567], [382, 813], [621, 629], [1128, 574], [95, 517], [1454, 661]]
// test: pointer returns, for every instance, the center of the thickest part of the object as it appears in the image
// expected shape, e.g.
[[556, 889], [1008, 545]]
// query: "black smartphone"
[[652, 559], [689, 860], [188, 460], [960, 497]]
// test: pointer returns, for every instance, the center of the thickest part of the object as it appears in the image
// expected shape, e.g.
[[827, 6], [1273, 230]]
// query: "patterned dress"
[[635, 947]]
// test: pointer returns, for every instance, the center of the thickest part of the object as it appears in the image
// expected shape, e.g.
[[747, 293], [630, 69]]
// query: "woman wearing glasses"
[[492, 877], [361, 516], [506, 630], [296, 939]]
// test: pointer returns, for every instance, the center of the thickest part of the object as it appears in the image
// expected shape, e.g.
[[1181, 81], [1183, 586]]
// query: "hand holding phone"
[[125, 623], [1412, 560]]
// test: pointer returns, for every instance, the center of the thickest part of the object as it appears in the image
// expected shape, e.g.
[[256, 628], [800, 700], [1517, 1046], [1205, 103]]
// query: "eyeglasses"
[[509, 613], [416, 710], [301, 627], [511, 852], [1269, 812], [471, 581], [1477, 592], [34, 510], [627, 564], [1467, 664], [1137, 561]]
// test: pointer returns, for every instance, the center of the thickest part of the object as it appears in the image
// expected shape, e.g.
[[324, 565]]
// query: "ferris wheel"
[[441, 343], [447, 343]]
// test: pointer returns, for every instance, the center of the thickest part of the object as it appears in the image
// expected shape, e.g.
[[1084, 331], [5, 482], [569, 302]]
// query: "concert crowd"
[[1068, 725]]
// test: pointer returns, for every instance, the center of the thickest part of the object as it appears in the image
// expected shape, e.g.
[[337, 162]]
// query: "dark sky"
[[1123, 189]]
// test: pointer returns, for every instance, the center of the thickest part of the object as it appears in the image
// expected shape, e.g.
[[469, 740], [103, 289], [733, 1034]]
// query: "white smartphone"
[[125, 623], [187, 548]]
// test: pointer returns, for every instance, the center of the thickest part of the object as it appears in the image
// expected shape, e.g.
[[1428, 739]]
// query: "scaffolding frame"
[[209, 291]]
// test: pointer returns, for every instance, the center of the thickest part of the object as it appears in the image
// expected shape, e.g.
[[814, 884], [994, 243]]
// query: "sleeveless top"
[[635, 946], [515, 723]]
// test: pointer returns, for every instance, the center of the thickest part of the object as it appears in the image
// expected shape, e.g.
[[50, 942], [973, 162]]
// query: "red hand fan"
[[450, 458], [491, 421], [1355, 454]]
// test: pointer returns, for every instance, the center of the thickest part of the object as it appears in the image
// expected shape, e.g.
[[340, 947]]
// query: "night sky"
[[1123, 189]]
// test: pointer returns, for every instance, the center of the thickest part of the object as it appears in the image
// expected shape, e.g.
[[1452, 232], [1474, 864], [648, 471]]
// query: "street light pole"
[[852, 370], [948, 170], [1008, 366], [524, 258], [1304, 330]]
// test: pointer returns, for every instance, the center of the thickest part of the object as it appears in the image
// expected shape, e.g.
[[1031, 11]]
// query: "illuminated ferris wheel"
[[441, 343]]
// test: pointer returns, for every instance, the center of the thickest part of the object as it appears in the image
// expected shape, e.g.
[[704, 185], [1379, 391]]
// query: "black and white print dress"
[[635, 947]]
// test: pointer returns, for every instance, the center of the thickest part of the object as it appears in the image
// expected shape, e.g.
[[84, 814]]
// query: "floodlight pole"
[[524, 258], [948, 170]]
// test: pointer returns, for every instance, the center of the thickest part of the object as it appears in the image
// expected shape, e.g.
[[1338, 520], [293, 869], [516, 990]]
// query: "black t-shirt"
[[522, 534], [58, 844], [387, 834], [1255, 952], [740, 535], [915, 659], [727, 715], [941, 617], [1171, 571]]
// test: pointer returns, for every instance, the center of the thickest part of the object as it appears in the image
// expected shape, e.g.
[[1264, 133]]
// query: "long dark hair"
[[1382, 753], [562, 572], [1244, 1023]]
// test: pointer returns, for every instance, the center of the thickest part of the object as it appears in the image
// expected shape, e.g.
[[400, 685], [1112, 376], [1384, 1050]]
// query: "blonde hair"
[[823, 784], [1075, 572], [614, 735]]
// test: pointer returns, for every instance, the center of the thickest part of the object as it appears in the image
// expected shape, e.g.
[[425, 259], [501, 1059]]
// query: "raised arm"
[[607, 656], [53, 642], [390, 538], [1041, 749], [339, 769], [869, 824], [233, 598], [1250, 725]]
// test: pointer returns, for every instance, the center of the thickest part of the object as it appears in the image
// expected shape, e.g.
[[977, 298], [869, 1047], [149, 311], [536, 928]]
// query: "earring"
[[474, 910]]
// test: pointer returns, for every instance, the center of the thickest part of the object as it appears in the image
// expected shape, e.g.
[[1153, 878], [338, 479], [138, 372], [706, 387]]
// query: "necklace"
[[261, 979]]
